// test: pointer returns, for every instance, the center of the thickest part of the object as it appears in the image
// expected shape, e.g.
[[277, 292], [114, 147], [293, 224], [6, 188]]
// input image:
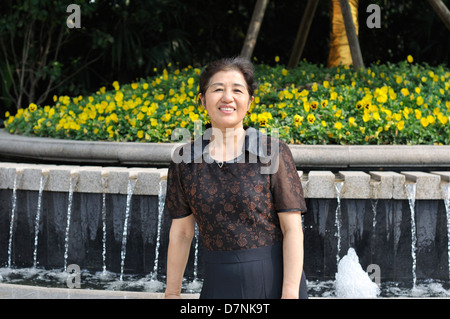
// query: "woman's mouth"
[[227, 110]]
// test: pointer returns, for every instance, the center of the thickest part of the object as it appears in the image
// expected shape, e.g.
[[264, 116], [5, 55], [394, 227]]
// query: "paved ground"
[[13, 291]]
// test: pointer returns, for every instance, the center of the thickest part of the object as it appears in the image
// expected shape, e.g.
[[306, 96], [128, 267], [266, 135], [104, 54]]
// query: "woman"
[[243, 190]]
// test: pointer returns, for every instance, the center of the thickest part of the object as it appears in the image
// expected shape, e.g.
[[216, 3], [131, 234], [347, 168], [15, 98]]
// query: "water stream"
[[72, 184], [446, 195], [161, 201], [42, 183], [19, 173], [338, 221], [411, 192], [130, 189]]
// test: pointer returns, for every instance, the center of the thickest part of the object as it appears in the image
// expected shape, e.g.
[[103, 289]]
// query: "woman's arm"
[[180, 239], [291, 226]]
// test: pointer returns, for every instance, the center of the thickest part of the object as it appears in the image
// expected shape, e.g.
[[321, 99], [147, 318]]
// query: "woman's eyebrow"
[[221, 84]]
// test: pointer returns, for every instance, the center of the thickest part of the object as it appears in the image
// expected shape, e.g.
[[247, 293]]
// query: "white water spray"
[[72, 184], [446, 193], [130, 189], [42, 183], [18, 174], [411, 192], [161, 201], [337, 221]]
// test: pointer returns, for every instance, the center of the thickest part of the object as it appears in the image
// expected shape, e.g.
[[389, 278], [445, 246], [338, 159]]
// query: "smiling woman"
[[249, 221]]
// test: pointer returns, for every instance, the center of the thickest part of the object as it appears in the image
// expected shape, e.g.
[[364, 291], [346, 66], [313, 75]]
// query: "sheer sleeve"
[[176, 203], [285, 184]]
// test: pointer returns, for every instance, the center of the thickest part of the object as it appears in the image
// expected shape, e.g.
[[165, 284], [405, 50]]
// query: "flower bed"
[[403, 103]]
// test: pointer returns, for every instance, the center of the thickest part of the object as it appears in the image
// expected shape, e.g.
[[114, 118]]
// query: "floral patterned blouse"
[[235, 205]]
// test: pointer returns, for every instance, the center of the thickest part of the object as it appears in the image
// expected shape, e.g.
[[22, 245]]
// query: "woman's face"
[[227, 99]]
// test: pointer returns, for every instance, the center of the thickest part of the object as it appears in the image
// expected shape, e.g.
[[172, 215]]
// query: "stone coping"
[[316, 184], [38, 149]]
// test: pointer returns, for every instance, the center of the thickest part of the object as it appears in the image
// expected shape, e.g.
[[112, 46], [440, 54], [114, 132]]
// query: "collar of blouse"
[[255, 143]]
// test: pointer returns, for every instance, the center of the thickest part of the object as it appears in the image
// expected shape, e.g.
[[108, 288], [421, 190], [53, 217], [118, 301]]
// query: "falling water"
[[196, 252], [337, 222], [161, 201], [411, 192], [104, 185], [131, 184], [13, 214], [374, 203], [42, 182], [72, 184], [446, 193]]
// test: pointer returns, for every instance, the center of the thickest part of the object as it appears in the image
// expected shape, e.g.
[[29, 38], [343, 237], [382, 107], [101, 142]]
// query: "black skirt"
[[246, 274]]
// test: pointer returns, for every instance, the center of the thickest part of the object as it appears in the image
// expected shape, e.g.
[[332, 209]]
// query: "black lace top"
[[236, 205]]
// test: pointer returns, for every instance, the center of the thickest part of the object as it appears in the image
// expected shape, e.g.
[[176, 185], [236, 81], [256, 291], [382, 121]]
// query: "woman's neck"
[[227, 144]]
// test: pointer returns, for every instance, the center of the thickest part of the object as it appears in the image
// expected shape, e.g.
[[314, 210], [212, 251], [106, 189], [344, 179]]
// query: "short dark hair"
[[240, 64]]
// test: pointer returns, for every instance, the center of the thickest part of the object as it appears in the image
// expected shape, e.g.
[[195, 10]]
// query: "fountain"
[[352, 281], [111, 222]]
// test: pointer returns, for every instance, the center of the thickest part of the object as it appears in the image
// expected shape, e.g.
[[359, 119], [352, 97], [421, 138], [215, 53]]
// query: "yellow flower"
[[311, 118], [114, 117], [284, 72], [119, 96], [400, 125], [424, 122], [297, 120], [410, 59], [405, 91], [338, 125], [419, 100], [32, 107], [418, 114], [314, 105], [351, 121], [134, 86], [443, 119], [253, 117], [366, 117], [116, 85], [277, 59], [140, 134]]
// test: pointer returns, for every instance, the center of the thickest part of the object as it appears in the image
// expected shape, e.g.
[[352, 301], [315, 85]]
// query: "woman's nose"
[[227, 96]]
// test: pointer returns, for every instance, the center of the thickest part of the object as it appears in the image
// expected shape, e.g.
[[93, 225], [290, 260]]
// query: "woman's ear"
[[202, 100], [250, 102]]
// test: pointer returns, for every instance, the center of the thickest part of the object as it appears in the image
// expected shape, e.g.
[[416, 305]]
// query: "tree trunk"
[[253, 29], [442, 11], [351, 35], [302, 33]]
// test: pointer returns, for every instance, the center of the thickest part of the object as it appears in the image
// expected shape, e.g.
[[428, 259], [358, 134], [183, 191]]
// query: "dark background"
[[125, 40]]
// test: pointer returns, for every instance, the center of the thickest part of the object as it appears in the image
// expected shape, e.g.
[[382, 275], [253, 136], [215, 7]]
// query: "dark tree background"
[[129, 39]]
